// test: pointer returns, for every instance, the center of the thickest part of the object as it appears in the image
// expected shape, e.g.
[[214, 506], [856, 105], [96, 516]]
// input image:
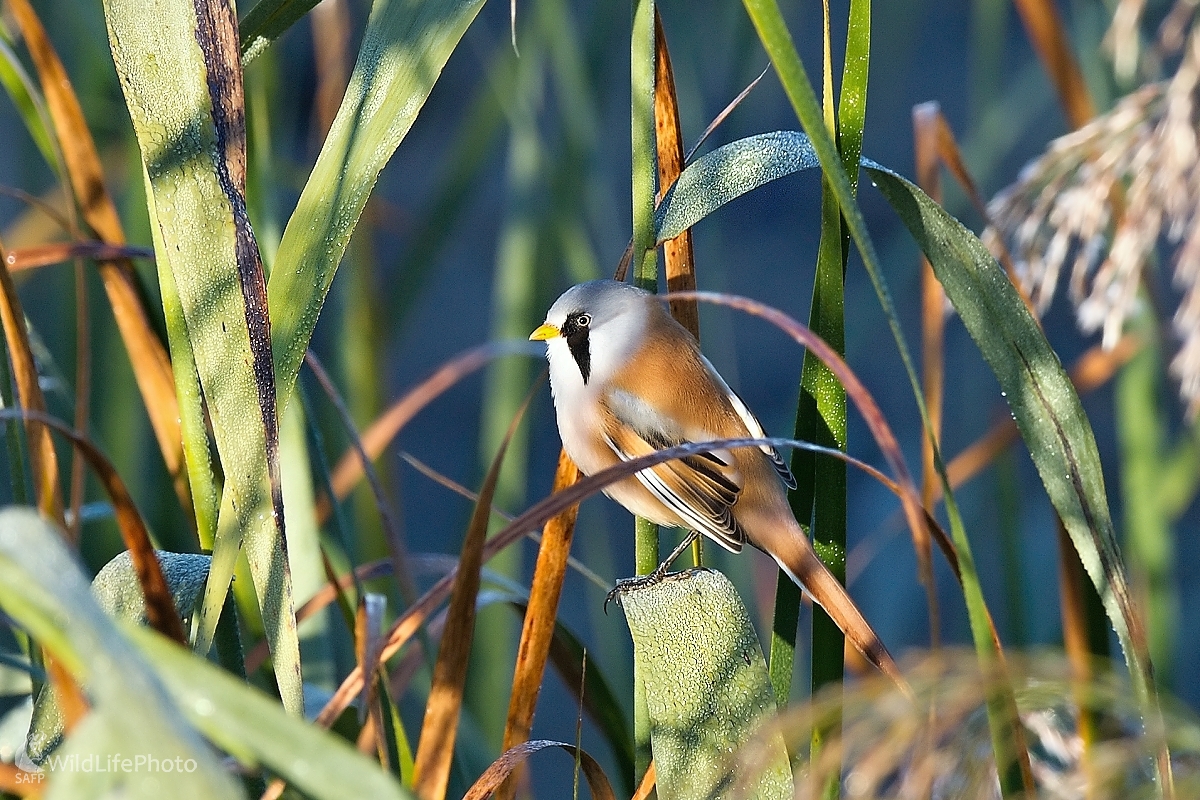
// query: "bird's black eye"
[[583, 320]]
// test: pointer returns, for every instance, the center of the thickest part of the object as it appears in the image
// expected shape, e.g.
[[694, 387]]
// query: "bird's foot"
[[650, 579]]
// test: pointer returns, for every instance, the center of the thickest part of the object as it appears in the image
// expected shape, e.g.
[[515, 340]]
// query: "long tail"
[[794, 554]]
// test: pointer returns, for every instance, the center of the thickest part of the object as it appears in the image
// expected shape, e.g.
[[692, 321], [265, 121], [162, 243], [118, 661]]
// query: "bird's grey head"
[[600, 324]]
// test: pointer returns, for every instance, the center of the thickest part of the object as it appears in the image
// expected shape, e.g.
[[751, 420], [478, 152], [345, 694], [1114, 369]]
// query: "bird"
[[628, 380]]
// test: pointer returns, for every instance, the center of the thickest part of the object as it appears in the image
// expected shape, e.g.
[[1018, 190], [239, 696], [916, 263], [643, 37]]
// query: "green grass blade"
[[250, 726], [28, 101], [186, 104], [43, 590], [1043, 401], [405, 47], [1148, 536], [645, 275]]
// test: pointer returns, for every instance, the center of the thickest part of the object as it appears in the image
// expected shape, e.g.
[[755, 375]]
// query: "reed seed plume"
[[939, 747], [1102, 200]]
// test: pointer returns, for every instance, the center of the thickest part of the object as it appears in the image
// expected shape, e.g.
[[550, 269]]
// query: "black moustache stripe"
[[581, 351]]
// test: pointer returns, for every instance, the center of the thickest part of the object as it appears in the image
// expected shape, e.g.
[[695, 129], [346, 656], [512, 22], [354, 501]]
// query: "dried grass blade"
[[44, 255], [407, 624], [725, 112], [42, 458], [933, 326], [537, 630], [933, 299], [503, 768], [151, 366], [1045, 29], [160, 606], [435, 750], [349, 468], [396, 548], [646, 789], [678, 255]]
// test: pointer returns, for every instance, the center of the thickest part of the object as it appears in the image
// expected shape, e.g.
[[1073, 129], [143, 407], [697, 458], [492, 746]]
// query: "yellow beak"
[[544, 332]]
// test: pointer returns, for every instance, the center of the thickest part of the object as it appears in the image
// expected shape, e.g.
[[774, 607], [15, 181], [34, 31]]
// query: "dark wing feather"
[[700, 489]]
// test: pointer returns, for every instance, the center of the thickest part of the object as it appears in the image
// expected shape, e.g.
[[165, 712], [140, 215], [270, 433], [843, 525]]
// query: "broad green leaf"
[[706, 687], [185, 100], [253, 728], [44, 591], [1043, 401], [727, 173], [405, 47]]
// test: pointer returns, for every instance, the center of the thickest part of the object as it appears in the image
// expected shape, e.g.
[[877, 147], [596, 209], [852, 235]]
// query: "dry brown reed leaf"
[[537, 629], [160, 606], [1049, 38], [646, 789], [379, 434], [151, 366], [933, 326], [503, 767], [435, 748], [933, 299], [42, 458], [19, 782], [43, 255], [678, 255]]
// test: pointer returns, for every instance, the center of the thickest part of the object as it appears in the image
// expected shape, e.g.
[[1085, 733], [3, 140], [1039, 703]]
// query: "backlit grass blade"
[[252, 728], [181, 76], [405, 46], [503, 767], [43, 590]]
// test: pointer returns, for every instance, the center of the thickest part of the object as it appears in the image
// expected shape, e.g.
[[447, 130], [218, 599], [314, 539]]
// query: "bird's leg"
[[648, 580]]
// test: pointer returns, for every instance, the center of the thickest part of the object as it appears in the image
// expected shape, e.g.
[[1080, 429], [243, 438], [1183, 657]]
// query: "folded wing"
[[700, 489]]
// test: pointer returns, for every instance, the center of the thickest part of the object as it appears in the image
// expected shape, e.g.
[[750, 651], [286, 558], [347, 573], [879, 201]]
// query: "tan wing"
[[753, 426], [700, 489]]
